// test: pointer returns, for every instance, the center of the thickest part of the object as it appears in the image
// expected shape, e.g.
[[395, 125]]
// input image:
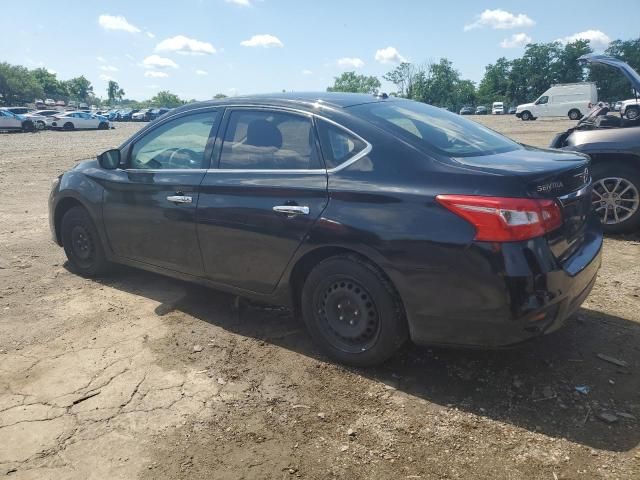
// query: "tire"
[[103, 126], [40, 125], [28, 126], [632, 113], [574, 114], [353, 312], [526, 116], [82, 243], [68, 126], [615, 219]]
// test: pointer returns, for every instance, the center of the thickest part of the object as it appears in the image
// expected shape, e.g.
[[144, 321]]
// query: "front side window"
[[542, 100], [179, 143], [269, 140], [337, 144], [434, 128]]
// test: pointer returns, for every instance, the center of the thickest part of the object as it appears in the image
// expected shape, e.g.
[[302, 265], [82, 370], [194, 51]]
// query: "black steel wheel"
[[353, 312], [82, 243]]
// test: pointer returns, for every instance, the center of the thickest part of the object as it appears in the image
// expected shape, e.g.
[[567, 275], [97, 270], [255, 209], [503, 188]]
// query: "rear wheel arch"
[[305, 264]]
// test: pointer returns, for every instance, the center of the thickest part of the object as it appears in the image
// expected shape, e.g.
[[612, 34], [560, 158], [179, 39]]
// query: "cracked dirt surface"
[[100, 379]]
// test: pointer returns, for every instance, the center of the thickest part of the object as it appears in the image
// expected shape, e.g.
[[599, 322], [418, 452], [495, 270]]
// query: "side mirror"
[[109, 160]]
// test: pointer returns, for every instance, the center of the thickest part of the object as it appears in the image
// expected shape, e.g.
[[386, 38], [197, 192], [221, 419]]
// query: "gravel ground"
[[141, 376]]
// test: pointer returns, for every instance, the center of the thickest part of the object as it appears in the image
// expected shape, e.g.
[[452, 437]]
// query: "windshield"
[[435, 128]]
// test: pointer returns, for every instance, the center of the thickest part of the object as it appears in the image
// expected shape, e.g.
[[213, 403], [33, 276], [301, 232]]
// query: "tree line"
[[516, 81]]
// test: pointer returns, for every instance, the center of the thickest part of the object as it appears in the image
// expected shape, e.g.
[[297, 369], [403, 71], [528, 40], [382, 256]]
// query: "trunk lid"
[[562, 176]]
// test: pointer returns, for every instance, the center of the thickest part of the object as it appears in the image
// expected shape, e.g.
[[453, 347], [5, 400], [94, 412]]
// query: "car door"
[[256, 208], [88, 120], [8, 121], [149, 206], [542, 106]]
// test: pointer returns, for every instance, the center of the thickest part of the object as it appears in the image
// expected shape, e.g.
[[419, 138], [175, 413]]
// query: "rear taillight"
[[502, 219]]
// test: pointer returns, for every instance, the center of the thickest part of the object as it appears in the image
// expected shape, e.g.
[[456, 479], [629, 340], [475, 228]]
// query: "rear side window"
[[266, 140], [434, 128], [338, 145]]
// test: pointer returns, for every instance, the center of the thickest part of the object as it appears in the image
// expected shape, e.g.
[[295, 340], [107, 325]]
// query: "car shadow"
[[555, 385]]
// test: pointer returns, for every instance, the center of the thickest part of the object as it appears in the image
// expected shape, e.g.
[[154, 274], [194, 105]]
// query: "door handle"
[[291, 209], [179, 199]]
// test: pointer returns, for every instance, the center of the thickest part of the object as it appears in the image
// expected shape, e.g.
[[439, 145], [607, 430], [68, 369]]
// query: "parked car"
[[158, 112], [83, 106], [39, 104], [630, 109], [60, 103], [467, 111], [512, 110], [482, 110], [301, 206], [572, 100], [47, 115], [10, 121], [80, 120], [50, 102], [39, 121], [613, 143], [497, 108], [141, 115]]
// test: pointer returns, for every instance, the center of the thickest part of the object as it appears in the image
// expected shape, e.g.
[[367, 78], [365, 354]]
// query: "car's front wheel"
[[82, 243], [103, 126], [526, 116], [616, 196], [632, 113], [353, 312], [575, 114]]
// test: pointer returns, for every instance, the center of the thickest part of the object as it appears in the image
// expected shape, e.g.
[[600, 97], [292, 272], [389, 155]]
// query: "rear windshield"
[[435, 128]]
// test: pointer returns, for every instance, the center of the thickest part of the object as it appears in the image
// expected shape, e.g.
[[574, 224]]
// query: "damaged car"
[[612, 140]]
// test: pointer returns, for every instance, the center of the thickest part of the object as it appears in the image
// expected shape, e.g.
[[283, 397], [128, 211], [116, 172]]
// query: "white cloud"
[[110, 22], [307, 72], [185, 45], [105, 77], [597, 38], [242, 3], [516, 40], [108, 68], [265, 40], [156, 61], [149, 34], [101, 59], [500, 20], [350, 62], [154, 74], [130, 57], [202, 72], [389, 55], [51, 71]]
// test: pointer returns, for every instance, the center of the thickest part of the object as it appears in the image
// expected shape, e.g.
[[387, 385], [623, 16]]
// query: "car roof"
[[295, 99]]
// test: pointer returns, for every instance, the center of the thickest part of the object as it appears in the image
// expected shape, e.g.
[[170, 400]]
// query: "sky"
[[197, 48]]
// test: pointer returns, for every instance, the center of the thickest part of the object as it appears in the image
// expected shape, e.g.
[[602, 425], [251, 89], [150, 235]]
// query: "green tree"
[[18, 85], [79, 88], [218, 96], [114, 92], [494, 85], [165, 98], [51, 86], [568, 69], [350, 82], [402, 77]]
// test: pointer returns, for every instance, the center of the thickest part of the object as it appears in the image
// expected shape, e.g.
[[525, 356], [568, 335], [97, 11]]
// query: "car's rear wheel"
[[28, 126], [616, 196], [68, 126], [574, 114], [632, 113], [526, 116], [353, 312], [82, 243], [103, 126]]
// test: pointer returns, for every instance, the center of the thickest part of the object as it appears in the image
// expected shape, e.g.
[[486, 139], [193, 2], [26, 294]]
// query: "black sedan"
[[378, 220], [467, 111]]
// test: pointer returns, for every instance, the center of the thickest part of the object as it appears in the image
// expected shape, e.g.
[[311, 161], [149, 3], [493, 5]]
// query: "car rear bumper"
[[517, 291]]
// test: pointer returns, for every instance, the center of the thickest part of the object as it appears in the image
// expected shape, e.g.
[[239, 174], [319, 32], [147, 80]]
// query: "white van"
[[497, 108], [569, 99]]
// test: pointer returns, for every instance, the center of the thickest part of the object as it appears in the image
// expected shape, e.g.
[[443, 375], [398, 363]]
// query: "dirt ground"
[[141, 376]]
